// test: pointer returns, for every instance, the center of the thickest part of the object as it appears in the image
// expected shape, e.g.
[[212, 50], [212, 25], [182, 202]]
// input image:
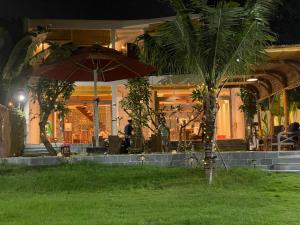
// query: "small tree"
[[18, 123], [276, 107], [220, 41], [51, 95], [136, 105], [196, 114], [249, 108]]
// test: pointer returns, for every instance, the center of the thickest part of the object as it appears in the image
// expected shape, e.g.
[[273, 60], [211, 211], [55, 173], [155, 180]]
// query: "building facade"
[[77, 126]]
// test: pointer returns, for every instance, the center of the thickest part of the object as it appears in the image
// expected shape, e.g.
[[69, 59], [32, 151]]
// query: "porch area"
[[276, 87]]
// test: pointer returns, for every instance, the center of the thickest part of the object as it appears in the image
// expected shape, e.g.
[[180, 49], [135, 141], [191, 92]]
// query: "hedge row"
[[17, 122]]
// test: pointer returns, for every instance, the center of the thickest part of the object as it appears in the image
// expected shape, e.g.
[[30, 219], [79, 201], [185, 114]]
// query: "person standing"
[[164, 133], [128, 133]]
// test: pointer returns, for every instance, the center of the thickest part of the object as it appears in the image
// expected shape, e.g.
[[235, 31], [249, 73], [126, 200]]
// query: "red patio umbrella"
[[95, 64]]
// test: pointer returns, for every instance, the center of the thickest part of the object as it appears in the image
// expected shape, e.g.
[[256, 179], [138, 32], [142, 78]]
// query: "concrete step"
[[41, 146], [286, 166], [40, 150], [262, 167], [289, 159], [289, 153], [33, 154], [35, 150], [284, 171]]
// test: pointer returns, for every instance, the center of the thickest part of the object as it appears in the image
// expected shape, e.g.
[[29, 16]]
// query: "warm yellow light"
[[41, 47], [252, 79]]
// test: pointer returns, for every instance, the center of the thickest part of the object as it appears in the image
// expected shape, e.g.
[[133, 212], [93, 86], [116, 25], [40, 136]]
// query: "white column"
[[96, 110], [114, 110], [27, 120], [285, 109], [113, 38], [34, 120], [55, 119], [114, 122]]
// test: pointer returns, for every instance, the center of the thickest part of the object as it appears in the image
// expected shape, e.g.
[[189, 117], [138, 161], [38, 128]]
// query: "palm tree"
[[212, 43], [15, 60]]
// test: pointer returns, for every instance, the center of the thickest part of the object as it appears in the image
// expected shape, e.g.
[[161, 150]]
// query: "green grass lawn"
[[93, 194]]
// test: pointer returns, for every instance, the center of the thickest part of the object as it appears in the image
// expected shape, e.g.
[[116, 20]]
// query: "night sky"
[[285, 23], [86, 9]]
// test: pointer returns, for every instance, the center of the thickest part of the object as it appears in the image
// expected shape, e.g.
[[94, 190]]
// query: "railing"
[[287, 139]]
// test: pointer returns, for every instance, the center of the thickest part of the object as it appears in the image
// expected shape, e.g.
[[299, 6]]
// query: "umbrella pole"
[[96, 110]]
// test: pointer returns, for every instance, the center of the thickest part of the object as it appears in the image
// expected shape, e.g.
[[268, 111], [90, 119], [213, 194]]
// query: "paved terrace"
[[277, 161]]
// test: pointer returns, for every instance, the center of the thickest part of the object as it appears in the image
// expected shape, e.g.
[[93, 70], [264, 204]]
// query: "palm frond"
[[171, 49], [161, 55], [215, 43], [217, 35], [20, 55], [180, 79], [254, 37], [6, 45]]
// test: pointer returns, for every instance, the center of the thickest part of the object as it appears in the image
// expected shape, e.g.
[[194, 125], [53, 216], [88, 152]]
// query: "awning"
[[282, 71]]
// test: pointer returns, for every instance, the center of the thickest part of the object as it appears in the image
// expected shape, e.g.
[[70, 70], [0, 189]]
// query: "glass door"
[[223, 119]]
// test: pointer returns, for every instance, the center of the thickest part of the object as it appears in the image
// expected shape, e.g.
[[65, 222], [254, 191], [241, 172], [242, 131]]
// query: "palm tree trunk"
[[210, 109], [138, 134], [179, 147], [44, 138], [3, 92]]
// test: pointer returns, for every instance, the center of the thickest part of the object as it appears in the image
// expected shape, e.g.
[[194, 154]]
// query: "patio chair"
[[271, 141], [288, 139]]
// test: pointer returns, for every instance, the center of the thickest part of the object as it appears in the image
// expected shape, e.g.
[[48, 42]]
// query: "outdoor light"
[[123, 49], [142, 159], [252, 79], [21, 97], [10, 104]]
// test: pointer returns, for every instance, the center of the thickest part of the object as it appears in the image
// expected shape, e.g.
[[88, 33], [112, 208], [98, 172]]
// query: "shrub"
[[17, 121]]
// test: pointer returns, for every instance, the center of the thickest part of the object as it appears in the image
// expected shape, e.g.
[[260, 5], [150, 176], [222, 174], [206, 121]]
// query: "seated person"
[[164, 133], [294, 128]]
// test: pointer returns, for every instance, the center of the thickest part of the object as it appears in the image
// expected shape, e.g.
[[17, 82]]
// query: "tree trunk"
[[179, 147], [3, 93], [210, 109], [139, 139], [44, 138], [247, 133], [138, 134], [139, 144]]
